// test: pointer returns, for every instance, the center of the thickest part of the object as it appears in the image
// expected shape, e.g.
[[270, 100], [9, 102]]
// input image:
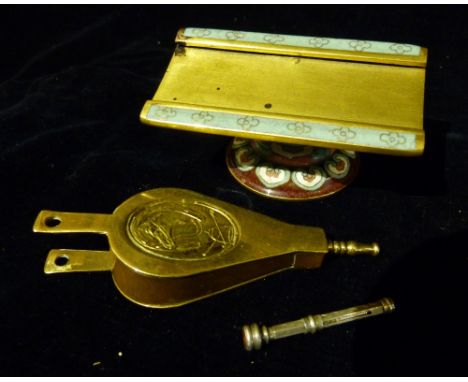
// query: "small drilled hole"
[[218, 88], [369, 312], [61, 260], [268, 106], [174, 99], [52, 221]]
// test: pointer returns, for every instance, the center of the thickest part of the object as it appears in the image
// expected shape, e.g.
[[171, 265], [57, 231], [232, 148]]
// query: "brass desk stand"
[[299, 107]]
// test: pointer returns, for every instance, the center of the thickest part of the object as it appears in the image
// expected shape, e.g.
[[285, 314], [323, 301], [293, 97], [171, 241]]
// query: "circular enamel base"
[[322, 172]]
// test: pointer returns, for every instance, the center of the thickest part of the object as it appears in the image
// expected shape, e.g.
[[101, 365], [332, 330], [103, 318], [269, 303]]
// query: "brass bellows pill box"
[[170, 246]]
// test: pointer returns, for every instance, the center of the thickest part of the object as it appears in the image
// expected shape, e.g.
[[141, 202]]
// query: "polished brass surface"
[[72, 260], [169, 246], [346, 89], [279, 49], [254, 336]]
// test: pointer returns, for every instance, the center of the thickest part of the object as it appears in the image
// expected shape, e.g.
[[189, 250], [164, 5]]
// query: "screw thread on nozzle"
[[353, 248]]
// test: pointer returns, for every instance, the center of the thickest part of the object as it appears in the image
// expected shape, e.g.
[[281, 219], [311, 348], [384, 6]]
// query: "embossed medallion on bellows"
[[183, 230]]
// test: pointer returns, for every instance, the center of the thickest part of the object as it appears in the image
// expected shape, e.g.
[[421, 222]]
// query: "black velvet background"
[[73, 81]]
